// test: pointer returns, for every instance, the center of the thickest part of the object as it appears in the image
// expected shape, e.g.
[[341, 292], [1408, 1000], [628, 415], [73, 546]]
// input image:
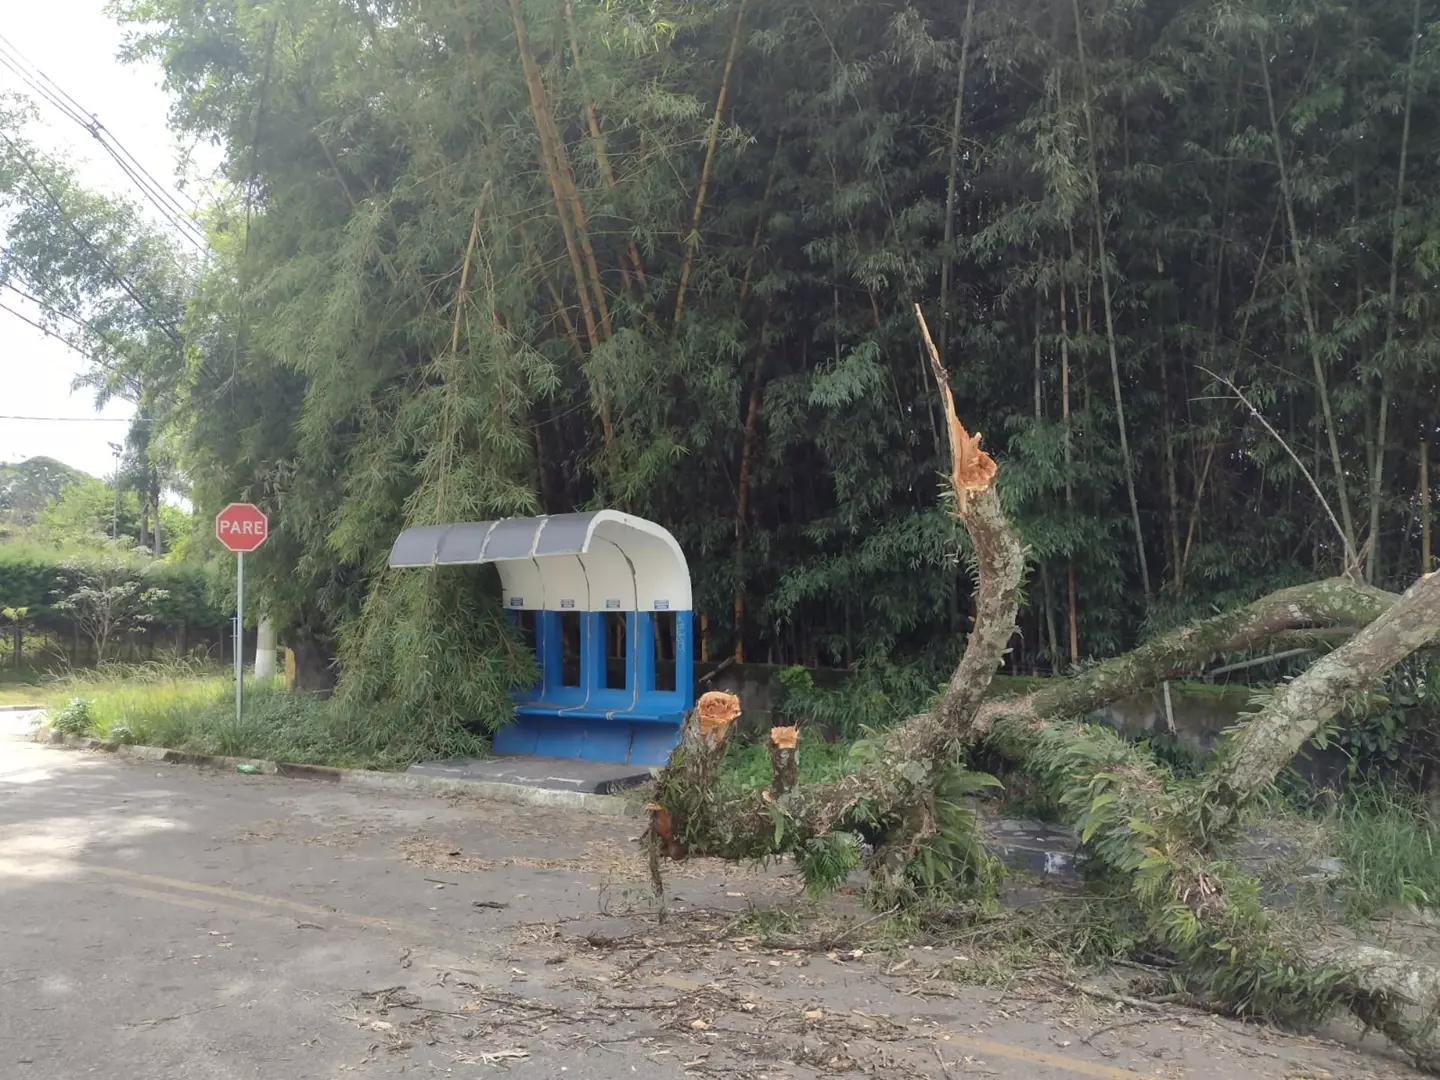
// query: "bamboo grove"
[[490, 257]]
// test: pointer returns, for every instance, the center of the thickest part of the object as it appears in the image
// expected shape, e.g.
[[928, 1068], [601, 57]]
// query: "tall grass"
[[1388, 839], [184, 706]]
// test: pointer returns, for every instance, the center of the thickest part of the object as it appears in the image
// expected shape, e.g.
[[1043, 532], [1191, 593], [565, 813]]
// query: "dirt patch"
[[605, 857]]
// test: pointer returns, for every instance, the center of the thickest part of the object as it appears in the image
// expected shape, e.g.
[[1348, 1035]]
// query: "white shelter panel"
[[523, 584], [462, 545], [417, 546], [662, 577], [611, 577], [564, 582]]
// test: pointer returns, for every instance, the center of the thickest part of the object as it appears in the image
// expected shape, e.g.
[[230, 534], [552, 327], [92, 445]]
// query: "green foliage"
[[186, 706], [1139, 836], [27, 486], [826, 862], [110, 589], [1391, 727], [109, 598], [74, 719], [747, 767], [872, 697], [1386, 841], [398, 323], [952, 863]]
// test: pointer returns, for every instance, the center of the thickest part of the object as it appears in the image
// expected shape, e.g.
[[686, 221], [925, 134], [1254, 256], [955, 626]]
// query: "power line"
[[50, 91], [81, 419], [58, 337], [52, 310], [120, 278], [12, 59]]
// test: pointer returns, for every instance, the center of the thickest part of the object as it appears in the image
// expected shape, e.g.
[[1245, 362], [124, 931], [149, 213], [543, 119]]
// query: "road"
[[165, 922]]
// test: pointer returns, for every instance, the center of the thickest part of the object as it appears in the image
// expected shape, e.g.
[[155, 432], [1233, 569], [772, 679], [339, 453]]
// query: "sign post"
[[240, 527]]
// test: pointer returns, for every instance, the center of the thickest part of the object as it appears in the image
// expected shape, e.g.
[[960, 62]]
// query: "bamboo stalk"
[[1053, 646], [602, 158], [561, 309], [1425, 562], [1378, 473], [1129, 467], [1172, 484], [539, 106], [693, 240], [742, 501], [577, 211], [955, 123], [760, 221], [1195, 513], [564, 174], [463, 296], [553, 157], [1312, 332], [1066, 443]]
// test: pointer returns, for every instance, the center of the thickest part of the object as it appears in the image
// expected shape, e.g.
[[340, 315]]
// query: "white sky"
[[76, 45]]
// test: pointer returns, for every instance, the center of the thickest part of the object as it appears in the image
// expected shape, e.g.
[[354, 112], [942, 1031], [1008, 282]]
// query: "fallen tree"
[[1137, 823]]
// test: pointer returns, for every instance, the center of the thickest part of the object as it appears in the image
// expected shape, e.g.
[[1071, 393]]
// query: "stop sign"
[[241, 527]]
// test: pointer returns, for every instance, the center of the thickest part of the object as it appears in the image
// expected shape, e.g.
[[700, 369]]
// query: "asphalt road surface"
[[164, 922]]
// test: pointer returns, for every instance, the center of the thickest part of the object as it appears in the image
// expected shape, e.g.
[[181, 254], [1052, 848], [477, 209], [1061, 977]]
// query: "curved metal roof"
[[600, 560]]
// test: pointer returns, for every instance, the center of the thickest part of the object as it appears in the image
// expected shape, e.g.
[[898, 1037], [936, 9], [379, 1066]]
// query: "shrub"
[[75, 718]]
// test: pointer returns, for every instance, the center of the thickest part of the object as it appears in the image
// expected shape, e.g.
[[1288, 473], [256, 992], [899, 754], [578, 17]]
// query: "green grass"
[[747, 768], [1389, 842], [192, 708]]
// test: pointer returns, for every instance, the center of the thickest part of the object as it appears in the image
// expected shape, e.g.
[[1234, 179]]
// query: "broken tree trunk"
[[887, 794], [1265, 745], [1135, 822], [1182, 652]]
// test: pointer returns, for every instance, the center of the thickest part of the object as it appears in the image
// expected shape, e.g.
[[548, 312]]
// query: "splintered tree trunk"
[[902, 774], [1132, 819]]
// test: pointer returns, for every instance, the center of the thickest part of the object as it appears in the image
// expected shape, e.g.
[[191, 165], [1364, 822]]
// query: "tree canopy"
[[526, 256]]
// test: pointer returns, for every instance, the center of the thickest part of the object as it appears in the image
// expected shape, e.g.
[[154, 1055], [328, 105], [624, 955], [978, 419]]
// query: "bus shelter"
[[604, 599]]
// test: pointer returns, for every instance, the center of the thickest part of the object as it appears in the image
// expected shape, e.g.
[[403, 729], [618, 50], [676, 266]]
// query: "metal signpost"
[[240, 527]]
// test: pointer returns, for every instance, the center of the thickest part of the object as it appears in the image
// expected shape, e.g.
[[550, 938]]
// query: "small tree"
[[110, 597], [16, 618]]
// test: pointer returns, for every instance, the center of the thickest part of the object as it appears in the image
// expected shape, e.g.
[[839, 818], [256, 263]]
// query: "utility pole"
[[116, 448]]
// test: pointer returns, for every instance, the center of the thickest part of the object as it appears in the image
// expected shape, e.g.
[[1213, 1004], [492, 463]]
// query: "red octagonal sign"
[[241, 527]]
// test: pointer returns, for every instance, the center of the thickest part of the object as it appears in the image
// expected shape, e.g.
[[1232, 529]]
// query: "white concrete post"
[[265, 650]]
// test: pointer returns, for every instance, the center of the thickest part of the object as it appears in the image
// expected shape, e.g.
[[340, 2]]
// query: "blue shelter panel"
[[572, 569]]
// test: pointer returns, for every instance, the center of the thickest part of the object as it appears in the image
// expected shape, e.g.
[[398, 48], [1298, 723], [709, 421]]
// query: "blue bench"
[[636, 724]]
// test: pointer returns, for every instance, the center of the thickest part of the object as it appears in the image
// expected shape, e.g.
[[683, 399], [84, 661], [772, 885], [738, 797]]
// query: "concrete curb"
[[515, 794], [21, 708]]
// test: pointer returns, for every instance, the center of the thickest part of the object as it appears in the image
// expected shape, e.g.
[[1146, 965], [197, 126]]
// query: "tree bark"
[[1188, 649], [314, 666], [900, 775], [1265, 745]]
